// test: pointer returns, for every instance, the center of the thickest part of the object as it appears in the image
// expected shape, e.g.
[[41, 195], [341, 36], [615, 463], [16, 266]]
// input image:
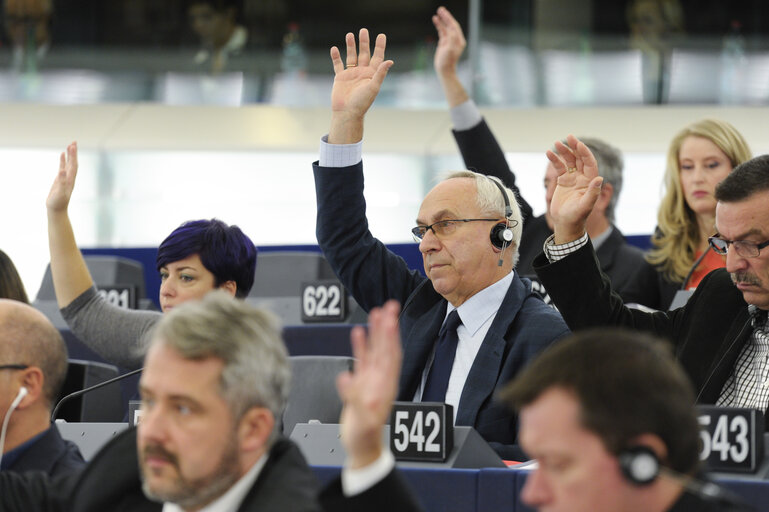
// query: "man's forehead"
[[455, 196]]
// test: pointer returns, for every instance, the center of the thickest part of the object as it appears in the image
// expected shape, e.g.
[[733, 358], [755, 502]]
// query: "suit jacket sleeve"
[[482, 153], [392, 493], [572, 279], [371, 272]]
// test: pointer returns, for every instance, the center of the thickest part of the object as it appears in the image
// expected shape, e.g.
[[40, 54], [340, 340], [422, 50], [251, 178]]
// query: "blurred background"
[[189, 109]]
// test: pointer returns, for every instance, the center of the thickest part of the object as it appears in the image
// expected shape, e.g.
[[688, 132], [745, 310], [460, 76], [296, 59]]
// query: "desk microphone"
[[694, 267], [89, 389]]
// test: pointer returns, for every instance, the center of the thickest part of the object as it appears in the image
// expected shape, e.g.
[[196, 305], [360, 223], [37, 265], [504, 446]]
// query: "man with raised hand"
[[472, 323]]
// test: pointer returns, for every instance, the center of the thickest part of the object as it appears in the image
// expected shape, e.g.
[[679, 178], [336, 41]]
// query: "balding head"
[[28, 337]]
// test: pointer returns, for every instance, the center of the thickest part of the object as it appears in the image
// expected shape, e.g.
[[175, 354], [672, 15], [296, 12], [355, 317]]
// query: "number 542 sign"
[[732, 438], [421, 431]]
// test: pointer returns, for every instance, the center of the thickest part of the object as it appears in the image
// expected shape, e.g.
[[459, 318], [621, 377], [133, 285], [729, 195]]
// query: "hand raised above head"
[[451, 42], [64, 183], [369, 391], [357, 81], [577, 191]]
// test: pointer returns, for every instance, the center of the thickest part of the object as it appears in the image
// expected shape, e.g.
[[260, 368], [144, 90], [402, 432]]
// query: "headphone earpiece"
[[639, 464], [501, 235]]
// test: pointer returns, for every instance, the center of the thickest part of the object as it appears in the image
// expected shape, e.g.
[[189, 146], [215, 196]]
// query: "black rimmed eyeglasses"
[[744, 248], [14, 366], [443, 227]]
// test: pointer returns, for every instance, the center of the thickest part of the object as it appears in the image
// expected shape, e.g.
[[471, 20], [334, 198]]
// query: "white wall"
[[146, 168]]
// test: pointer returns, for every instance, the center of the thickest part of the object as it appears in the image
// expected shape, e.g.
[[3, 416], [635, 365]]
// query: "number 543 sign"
[[731, 438]]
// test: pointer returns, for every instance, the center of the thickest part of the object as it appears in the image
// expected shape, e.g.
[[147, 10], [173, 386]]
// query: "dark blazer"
[[111, 482], [630, 274], [707, 333], [50, 454], [522, 328]]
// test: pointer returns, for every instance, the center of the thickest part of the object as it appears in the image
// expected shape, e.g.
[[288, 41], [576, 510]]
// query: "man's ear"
[[255, 428], [604, 198], [230, 287], [654, 443], [33, 379]]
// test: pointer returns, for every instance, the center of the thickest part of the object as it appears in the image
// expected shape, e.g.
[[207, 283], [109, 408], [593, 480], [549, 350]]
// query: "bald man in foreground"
[[33, 365]]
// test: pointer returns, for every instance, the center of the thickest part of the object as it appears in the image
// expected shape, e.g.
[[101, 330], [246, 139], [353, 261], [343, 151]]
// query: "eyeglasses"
[[443, 227], [744, 248], [14, 366]]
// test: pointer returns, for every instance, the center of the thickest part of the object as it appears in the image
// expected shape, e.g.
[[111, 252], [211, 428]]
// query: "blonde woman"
[[701, 155]]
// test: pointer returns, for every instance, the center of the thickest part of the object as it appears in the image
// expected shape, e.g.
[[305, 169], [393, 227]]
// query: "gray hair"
[[610, 164], [490, 202], [256, 370]]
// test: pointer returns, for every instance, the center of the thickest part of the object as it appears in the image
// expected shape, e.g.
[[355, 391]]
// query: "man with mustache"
[[215, 383], [720, 336]]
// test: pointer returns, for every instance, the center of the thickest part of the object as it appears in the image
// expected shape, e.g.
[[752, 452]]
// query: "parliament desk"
[[497, 490]]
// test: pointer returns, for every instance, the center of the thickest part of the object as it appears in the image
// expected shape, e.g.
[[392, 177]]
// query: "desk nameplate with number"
[[421, 431], [324, 301], [120, 295], [732, 438]]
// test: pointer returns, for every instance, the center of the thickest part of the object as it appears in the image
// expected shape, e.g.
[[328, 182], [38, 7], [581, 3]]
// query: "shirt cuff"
[[339, 155], [555, 252], [356, 481], [465, 116]]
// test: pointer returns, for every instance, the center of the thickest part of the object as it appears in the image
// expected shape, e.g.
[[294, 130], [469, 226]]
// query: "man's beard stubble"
[[199, 492]]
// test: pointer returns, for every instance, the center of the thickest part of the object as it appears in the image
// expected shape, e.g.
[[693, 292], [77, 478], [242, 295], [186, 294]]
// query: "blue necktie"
[[445, 350]]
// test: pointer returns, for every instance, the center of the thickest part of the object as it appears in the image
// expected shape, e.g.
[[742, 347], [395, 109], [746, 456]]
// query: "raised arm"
[[577, 190], [70, 274], [369, 391], [356, 84], [451, 44]]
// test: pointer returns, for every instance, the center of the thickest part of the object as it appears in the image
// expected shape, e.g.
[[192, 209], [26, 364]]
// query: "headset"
[[501, 235], [639, 464], [16, 401]]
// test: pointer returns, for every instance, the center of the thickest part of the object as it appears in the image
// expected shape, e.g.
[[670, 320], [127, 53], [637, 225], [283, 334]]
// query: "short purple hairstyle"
[[224, 250]]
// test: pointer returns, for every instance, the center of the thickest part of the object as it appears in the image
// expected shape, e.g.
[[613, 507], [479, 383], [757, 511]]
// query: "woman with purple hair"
[[197, 257]]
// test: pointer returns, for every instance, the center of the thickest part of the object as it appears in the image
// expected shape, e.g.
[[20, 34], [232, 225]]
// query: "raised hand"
[[64, 183], [451, 42], [356, 84], [577, 191], [369, 391]]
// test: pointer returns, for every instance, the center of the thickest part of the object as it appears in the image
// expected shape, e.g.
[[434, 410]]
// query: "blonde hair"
[[678, 235]]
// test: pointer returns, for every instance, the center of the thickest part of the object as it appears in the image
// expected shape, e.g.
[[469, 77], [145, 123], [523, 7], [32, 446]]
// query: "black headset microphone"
[[501, 234], [641, 466], [694, 267]]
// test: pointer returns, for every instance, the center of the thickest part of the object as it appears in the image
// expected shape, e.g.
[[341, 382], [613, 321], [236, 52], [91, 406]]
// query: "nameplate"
[[324, 301], [421, 431], [120, 295], [732, 438]]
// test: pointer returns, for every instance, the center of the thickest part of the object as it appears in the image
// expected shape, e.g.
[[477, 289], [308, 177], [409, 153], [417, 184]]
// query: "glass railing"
[[524, 53]]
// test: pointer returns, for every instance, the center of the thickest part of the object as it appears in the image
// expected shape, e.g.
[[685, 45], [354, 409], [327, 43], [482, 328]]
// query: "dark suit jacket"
[[50, 454], [522, 328], [111, 482], [707, 333], [630, 274]]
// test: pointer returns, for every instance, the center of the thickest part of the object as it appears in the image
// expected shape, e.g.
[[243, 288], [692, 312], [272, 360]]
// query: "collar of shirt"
[[597, 241], [231, 500], [476, 310], [12, 456]]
